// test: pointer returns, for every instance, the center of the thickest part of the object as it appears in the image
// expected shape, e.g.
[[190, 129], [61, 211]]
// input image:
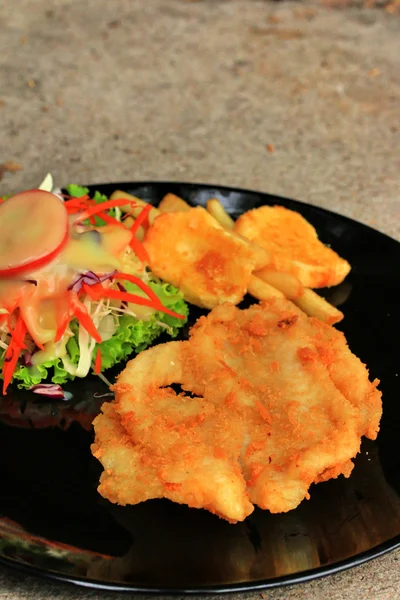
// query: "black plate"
[[53, 522]]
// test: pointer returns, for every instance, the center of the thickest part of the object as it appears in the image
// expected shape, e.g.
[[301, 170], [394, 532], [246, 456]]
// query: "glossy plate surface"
[[53, 522]]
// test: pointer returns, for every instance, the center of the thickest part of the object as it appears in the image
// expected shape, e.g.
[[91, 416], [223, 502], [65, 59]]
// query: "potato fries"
[[262, 290], [287, 283], [136, 210], [172, 203], [219, 213], [190, 250], [316, 306], [266, 280], [293, 242]]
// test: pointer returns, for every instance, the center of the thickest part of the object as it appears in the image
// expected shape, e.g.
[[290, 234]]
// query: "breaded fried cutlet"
[[294, 245], [209, 264], [271, 401]]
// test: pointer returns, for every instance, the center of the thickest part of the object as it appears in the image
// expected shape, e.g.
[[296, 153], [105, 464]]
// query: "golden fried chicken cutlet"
[[294, 245], [271, 402], [209, 264]]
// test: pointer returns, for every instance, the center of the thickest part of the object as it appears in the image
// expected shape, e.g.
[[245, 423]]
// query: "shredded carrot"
[[146, 222], [75, 308], [64, 311], [13, 350], [108, 219], [136, 245], [144, 214], [62, 326], [127, 297], [75, 205], [15, 334], [74, 198], [97, 362], [139, 250], [82, 315], [137, 281], [94, 210], [97, 291]]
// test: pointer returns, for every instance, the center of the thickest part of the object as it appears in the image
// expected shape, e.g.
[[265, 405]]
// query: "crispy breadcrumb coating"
[[209, 264], [294, 245], [277, 402]]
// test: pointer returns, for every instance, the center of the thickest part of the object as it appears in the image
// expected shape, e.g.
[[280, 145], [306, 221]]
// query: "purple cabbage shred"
[[89, 278], [51, 390]]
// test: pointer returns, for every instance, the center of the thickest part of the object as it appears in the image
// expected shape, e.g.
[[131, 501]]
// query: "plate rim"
[[284, 580], [261, 584], [93, 186]]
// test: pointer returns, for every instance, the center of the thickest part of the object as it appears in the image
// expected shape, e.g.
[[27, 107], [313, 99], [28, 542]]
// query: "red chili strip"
[[94, 210], [141, 218], [13, 351], [82, 315], [137, 281], [64, 312], [108, 219], [139, 250], [97, 291]]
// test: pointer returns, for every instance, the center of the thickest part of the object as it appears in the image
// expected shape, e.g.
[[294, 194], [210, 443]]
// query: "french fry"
[[140, 233], [262, 257], [294, 244], [128, 222], [134, 211], [262, 290], [219, 213], [265, 283], [307, 300], [127, 208], [316, 306], [287, 283], [339, 294], [268, 283], [172, 203]]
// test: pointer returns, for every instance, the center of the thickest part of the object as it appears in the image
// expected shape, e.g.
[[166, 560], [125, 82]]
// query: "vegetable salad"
[[76, 290]]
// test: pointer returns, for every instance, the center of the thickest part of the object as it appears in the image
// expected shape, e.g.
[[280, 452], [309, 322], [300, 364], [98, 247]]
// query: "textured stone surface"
[[289, 98]]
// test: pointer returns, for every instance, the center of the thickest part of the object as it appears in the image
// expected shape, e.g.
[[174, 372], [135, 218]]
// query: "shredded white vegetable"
[[47, 183], [105, 313]]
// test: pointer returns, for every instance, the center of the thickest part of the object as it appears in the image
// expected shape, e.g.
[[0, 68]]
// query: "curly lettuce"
[[77, 191], [132, 336]]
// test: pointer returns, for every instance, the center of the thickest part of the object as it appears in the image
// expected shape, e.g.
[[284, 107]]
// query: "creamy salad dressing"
[[41, 293], [62, 278]]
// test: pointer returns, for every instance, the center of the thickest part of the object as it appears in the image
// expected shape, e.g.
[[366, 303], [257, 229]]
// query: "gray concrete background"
[[292, 98]]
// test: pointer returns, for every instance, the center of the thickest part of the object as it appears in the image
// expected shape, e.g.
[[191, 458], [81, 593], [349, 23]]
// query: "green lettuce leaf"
[[77, 191], [26, 377], [132, 336]]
